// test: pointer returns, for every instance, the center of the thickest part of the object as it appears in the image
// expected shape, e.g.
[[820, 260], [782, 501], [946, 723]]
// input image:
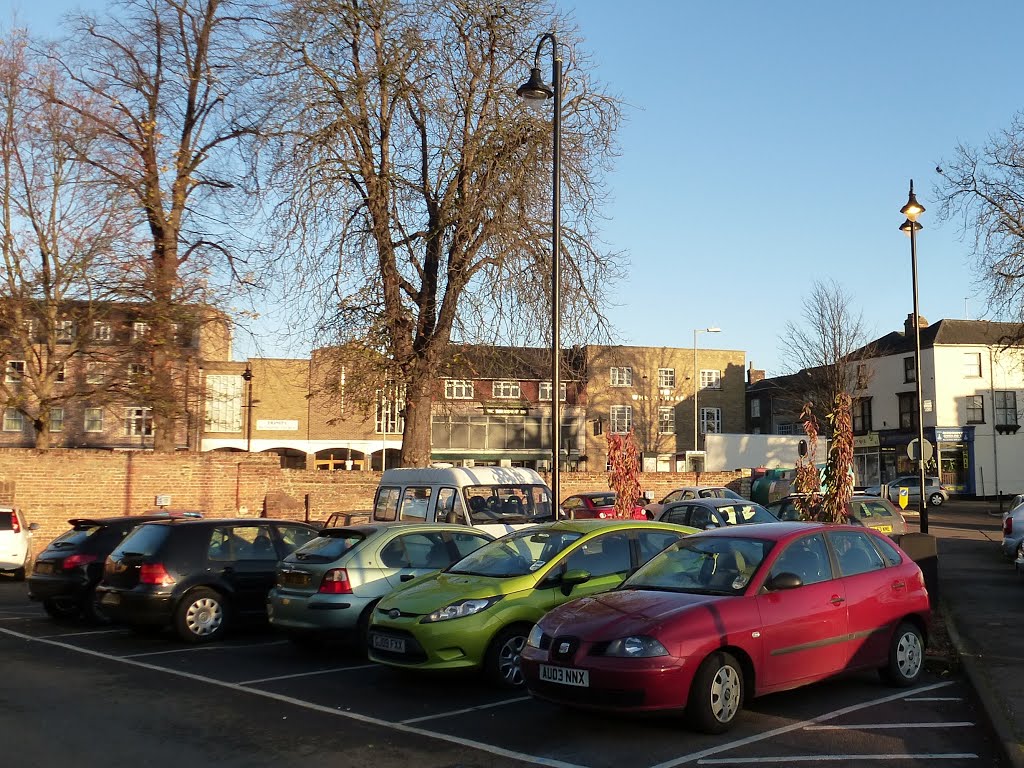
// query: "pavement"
[[980, 595]]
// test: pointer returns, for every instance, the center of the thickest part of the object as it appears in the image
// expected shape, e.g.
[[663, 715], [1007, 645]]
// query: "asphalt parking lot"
[[854, 720]]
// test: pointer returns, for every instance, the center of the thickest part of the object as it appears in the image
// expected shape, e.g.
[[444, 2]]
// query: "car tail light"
[[155, 573], [1008, 526], [73, 561], [603, 515], [15, 524], [336, 582]]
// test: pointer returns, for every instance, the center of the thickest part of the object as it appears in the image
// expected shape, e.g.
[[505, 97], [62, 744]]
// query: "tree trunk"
[[416, 438]]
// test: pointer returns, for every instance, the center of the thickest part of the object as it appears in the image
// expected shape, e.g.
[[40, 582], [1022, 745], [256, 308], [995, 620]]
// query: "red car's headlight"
[[635, 647]]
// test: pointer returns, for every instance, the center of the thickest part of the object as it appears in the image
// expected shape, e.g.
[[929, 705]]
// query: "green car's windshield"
[[703, 565], [517, 554]]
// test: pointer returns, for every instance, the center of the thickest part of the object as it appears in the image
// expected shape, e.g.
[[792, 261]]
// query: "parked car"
[[197, 576], [15, 542], [1013, 531], [715, 513], [690, 492], [65, 574], [328, 587], [935, 492], [477, 613], [599, 505], [871, 511], [722, 616]]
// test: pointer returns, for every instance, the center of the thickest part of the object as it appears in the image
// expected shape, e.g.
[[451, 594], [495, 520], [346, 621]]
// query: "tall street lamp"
[[247, 377], [535, 90], [912, 210], [696, 383]]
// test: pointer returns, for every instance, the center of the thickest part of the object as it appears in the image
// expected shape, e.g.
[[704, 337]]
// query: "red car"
[[599, 505], [733, 613]]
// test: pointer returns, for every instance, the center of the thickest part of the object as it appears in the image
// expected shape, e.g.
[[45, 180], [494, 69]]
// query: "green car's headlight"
[[635, 647], [459, 609], [533, 639]]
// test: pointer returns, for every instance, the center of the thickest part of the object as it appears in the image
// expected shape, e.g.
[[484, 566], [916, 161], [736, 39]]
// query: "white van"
[[495, 499]]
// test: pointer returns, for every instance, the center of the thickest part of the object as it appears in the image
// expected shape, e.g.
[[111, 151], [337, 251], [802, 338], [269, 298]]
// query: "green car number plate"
[[385, 643]]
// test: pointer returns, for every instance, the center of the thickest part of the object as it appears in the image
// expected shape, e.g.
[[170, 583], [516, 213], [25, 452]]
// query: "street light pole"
[[247, 376], [536, 90], [912, 210], [696, 383]]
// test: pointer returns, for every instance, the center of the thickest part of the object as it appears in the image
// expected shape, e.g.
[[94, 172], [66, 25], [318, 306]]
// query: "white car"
[[15, 542]]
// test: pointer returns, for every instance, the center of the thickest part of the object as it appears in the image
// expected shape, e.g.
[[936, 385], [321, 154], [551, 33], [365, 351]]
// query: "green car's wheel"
[[502, 662]]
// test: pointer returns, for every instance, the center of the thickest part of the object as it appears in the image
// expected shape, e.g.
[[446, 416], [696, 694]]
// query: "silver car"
[[653, 510], [327, 588], [934, 492], [1013, 531]]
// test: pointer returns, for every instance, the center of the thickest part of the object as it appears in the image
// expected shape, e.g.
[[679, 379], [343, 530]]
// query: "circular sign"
[[912, 450]]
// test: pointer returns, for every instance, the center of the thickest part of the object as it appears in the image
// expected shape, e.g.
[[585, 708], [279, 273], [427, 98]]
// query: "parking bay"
[[850, 721]]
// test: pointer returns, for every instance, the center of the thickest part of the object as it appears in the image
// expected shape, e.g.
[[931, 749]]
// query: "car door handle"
[[837, 600], [899, 585], [407, 577]]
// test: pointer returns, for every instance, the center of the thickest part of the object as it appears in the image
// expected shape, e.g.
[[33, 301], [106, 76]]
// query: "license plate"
[[293, 579], [110, 598], [385, 643], [565, 676], [43, 568], [883, 528]]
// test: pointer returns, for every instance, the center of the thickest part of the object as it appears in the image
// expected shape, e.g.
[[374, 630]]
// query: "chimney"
[[754, 376], [908, 324]]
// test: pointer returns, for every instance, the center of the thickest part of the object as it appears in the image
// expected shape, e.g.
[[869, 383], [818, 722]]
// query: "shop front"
[[867, 462], [955, 457]]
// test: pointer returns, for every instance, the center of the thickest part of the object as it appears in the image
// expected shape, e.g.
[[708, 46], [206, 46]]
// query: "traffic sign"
[[912, 450], [904, 497]]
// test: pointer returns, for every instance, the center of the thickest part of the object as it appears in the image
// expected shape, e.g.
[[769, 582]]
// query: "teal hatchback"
[[477, 613]]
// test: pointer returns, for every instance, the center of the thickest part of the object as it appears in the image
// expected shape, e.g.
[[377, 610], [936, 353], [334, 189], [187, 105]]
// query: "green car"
[[478, 612]]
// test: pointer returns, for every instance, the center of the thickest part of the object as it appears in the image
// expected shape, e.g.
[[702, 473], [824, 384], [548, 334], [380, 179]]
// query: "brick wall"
[[54, 486]]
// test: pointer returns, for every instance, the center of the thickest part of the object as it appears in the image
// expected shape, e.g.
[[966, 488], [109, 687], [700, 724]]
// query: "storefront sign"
[[277, 425], [954, 435], [505, 410], [870, 440]]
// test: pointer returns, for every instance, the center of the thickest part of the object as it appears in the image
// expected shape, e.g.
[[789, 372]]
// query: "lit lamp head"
[[908, 227], [912, 209]]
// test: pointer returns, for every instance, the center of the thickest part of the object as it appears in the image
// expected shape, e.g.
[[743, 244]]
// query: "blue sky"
[[770, 144]]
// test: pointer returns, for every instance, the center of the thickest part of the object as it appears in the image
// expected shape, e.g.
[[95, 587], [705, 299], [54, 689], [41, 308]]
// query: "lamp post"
[[535, 90], [696, 383], [912, 210], [247, 377]]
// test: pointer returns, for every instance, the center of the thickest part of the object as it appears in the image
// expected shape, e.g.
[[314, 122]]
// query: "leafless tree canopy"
[[416, 188], [825, 348], [982, 188]]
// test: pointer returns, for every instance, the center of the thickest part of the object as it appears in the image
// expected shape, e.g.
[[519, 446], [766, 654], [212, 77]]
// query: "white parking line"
[[698, 756], [882, 726], [386, 724], [190, 648], [465, 710], [832, 758], [936, 698], [121, 631], [23, 617], [306, 674]]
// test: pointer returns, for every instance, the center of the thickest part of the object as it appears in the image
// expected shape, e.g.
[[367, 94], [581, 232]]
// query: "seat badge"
[[563, 648]]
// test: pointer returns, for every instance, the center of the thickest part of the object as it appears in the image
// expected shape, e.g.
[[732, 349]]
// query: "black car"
[[197, 576], [65, 574], [715, 513]]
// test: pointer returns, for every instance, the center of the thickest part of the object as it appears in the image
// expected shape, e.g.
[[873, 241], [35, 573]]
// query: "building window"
[[138, 421], [784, 429], [666, 378], [666, 421], [862, 376], [137, 370], [909, 371], [862, 415], [390, 417], [620, 418], [975, 409], [908, 410], [60, 372], [622, 376], [95, 373], [101, 331], [65, 331], [710, 379], [13, 421], [458, 389], [93, 419], [29, 328], [755, 408], [505, 390], [223, 403], [710, 420], [139, 331], [15, 371], [56, 419], [1006, 409], [544, 391], [972, 365]]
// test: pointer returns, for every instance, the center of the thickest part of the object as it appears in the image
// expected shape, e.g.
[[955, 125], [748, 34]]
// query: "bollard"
[[922, 548]]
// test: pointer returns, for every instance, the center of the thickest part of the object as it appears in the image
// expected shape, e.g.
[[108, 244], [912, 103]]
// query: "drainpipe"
[[995, 443]]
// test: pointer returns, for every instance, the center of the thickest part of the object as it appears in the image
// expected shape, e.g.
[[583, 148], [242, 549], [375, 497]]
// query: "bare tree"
[[983, 189], [417, 189], [823, 351], [161, 88], [61, 235]]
